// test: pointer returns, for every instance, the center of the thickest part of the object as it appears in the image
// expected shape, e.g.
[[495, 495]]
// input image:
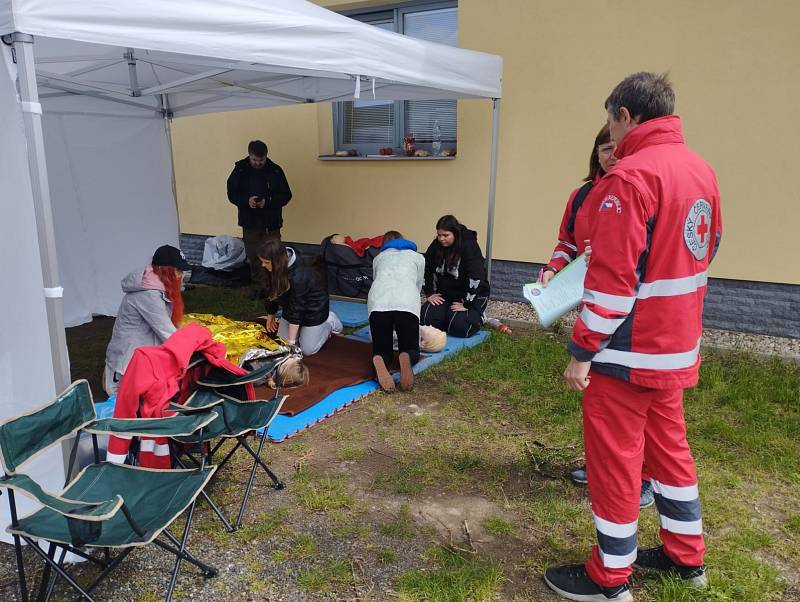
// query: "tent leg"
[[29, 95], [492, 185], [40, 187], [166, 111]]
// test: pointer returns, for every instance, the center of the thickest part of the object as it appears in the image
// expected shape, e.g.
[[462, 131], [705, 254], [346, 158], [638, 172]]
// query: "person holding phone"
[[258, 187]]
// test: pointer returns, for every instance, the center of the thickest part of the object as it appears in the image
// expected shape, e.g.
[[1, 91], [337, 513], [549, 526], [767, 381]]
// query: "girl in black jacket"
[[298, 289], [456, 287]]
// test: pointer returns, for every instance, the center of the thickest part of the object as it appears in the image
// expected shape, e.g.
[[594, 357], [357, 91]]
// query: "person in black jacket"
[[299, 290], [258, 187], [456, 287]]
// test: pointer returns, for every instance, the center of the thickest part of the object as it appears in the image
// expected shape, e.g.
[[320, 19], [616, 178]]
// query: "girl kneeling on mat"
[[456, 287], [393, 304], [307, 321]]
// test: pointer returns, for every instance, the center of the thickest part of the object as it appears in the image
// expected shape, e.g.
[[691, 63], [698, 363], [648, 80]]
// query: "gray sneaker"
[[579, 476]]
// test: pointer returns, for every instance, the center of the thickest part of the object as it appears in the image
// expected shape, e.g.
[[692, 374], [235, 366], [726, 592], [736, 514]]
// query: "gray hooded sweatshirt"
[[144, 318]]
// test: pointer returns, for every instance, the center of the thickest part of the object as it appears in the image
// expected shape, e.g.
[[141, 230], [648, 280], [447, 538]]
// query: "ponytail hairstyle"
[[451, 255], [171, 278], [277, 281]]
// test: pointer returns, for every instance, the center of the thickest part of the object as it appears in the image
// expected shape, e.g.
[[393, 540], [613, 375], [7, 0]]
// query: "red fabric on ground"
[[361, 245]]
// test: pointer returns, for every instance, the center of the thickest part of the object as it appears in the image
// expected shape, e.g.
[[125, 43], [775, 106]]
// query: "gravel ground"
[[249, 571], [722, 339]]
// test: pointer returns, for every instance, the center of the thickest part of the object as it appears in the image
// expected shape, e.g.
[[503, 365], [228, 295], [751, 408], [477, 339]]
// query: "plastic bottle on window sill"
[[436, 143]]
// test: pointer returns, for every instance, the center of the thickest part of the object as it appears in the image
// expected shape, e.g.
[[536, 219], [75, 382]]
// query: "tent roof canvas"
[[221, 55]]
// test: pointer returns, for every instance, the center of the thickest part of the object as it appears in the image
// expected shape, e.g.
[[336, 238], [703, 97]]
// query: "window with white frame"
[[369, 125]]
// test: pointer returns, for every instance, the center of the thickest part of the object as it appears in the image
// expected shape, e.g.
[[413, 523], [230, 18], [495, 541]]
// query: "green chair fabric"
[[171, 426], [233, 417], [107, 505], [24, 436], [224, 379], [82, 509], [154, 498], [236, 417]]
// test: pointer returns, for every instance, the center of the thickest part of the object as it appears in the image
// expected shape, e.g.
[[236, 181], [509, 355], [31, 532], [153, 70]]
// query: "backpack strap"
[[580, 196]]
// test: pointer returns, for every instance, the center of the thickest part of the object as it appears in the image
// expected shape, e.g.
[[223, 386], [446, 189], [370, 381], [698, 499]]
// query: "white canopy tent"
[[96, 82]]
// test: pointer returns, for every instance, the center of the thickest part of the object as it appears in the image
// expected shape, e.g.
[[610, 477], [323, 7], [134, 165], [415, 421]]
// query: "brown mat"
[[341, 363]]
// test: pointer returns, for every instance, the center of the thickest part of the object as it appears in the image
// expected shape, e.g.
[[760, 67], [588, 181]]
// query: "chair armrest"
[[250, 377], [202, 399], [91, 511], [191, 411], [171, 426]]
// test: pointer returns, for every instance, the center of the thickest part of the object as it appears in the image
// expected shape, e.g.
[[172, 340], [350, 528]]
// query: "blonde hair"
[[293, 373], [431, 339]]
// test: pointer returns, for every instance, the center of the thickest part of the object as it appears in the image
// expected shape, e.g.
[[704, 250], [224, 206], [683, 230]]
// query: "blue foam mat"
[[283, 427], [105, 409], [351, 313]]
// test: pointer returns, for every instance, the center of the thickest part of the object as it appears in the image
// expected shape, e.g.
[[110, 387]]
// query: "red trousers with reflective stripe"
[[624, 426]]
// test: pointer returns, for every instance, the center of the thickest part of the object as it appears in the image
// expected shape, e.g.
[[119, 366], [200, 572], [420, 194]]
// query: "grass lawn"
[[458, 490]]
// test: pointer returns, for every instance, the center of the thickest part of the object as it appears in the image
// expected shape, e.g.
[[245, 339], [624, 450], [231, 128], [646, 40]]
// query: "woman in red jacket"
[[573, 235], [573, 240]]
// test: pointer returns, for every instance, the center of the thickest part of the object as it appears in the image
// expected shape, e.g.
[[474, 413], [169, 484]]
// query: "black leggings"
[[462, 324], [382, 325]]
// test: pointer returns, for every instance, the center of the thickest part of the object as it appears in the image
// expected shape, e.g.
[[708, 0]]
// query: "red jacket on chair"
[[154, 376]]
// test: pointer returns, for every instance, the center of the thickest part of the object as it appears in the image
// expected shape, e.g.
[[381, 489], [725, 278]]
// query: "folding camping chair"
[[106, 506], [237, 417]]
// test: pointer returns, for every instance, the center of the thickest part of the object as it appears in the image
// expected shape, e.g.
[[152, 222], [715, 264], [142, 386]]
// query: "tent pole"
[[132, 77], [492, 185], [166, 111], [32, 113]]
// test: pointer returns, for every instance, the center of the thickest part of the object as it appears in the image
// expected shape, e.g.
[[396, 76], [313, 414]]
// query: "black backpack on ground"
[[348, 274]]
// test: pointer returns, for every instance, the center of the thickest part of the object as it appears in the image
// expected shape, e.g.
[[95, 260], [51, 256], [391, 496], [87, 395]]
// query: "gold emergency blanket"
[[238, 337]]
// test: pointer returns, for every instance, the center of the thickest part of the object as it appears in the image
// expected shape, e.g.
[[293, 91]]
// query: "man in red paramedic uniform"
[[634, 347]]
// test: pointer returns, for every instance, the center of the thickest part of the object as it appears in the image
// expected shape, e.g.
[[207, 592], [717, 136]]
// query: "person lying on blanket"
[[291, 373]]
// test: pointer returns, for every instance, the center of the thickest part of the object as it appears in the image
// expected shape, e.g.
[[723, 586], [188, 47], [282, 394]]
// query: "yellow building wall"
[[735, 66]]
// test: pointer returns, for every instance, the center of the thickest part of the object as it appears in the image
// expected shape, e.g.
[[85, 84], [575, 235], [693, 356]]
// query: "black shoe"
[[655, 558], [573, 583], [646, 497]]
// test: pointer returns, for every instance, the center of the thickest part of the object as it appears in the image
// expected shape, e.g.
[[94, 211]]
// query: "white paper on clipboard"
[[562, 294]]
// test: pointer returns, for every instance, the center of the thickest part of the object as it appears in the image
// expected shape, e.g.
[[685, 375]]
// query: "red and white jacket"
[[574, 229], [655, 229], [157, 375]]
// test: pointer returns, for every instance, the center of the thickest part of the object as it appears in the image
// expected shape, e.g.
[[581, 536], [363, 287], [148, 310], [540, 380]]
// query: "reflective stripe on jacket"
[[655, 229]]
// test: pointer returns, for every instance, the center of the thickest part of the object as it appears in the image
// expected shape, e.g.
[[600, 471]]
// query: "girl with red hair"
[[151, 310]]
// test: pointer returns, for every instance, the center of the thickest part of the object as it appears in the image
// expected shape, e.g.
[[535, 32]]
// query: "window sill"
[[382, 158]]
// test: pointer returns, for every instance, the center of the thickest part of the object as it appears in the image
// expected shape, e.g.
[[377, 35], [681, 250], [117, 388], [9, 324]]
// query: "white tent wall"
[[26, 369], [113, 205], [101, 70]]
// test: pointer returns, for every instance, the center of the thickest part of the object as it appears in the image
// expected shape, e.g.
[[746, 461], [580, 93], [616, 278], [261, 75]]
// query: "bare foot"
[[385, 379], [406, 373]]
